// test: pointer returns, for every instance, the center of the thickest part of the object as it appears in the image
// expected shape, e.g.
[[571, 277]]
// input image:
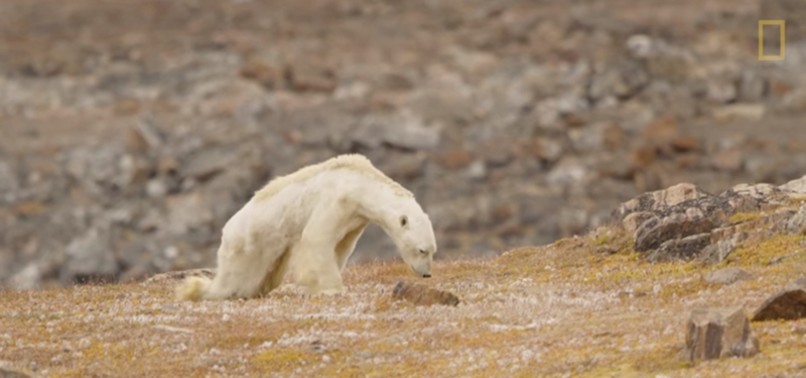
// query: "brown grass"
[[585, 306]]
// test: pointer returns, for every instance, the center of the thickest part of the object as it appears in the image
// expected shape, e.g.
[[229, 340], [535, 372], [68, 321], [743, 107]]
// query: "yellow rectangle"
[[782, 39]]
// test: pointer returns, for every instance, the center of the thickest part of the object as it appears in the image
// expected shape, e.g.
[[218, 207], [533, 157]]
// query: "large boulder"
[[714, 333]]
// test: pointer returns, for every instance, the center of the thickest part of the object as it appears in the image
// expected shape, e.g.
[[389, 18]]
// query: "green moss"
[[275, 359], [766, 251], [743, 217]]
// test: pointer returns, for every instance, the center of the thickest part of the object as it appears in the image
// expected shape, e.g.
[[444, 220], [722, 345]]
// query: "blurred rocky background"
[[130, 131]]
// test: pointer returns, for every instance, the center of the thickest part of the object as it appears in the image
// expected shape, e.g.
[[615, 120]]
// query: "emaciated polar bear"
[[310, 220]]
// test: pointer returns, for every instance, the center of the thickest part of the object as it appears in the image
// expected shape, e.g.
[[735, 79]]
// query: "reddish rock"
[[789, 304], [455, 158], [422, 295], [309, 79], [728, 160], [268, 76], [686, 143]]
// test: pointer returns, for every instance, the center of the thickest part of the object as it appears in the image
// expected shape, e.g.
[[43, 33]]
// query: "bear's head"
[[414, 236]]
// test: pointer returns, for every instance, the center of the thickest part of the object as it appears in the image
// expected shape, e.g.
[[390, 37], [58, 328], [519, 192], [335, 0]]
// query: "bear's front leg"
[[317, 268]]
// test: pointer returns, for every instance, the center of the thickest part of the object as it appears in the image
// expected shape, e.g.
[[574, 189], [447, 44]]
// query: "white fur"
[[311, 220]]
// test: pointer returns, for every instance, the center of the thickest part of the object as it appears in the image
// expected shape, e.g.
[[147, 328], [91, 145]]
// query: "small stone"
[[156, 188], [404, 130], [30, 208], [751, 86], [422, 295], [721, 91], [789, 304], [152, 137], [303, 78], [9, 181], [714, 333], [545, 149], [686, 143], [477, 170], [728, 160], [727, 276], [267, 75], [455, 158], [207, 163], [739, 112]]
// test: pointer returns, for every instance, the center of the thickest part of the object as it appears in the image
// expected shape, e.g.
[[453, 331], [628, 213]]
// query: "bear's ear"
[[404, 221]]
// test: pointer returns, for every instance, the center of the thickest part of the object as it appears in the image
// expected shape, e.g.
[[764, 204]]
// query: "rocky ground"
[[130, 133], [603, 304]]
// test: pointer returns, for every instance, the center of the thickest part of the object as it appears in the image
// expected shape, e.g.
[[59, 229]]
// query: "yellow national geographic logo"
[[781, 24]]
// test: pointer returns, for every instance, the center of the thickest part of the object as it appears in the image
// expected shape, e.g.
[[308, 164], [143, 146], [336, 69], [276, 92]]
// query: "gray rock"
[[620, 81], [659, 200], [8, 178], [404, 130], [634, 220], [714, 333], [152, 137], [568, 172], [90, 257], [28, 278], [697, 227], [789, 304], [187, 212], [156, 188], [751, 86], [727, 276], [721, 91], [736, 112], [797, 223], [686, 248], [691, 221], [208, 162], [796, 186], [725, 243]]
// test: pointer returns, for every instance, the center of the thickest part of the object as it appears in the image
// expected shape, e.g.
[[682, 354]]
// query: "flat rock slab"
[[789, 304], [422, 295], [714, 333]]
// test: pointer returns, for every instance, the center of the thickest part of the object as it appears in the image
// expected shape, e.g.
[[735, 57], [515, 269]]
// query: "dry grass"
[[564, 309]]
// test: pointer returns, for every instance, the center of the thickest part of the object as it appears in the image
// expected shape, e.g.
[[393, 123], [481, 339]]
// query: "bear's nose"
[[427, 275]]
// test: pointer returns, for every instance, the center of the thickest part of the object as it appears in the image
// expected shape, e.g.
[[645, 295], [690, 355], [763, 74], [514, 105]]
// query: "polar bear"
[[309, 221]]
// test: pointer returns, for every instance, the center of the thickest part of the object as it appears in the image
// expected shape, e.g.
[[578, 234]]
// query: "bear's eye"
[[424, 252], [404, 220]]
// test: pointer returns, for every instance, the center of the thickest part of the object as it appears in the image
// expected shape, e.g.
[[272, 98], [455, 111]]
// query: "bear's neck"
[[379, 206]]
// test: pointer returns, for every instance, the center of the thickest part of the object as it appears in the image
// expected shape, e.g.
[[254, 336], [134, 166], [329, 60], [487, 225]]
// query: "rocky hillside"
[[664, 290], [130, 133]]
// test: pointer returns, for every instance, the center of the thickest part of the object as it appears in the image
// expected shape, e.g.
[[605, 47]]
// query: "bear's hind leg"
[[240, 274]]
